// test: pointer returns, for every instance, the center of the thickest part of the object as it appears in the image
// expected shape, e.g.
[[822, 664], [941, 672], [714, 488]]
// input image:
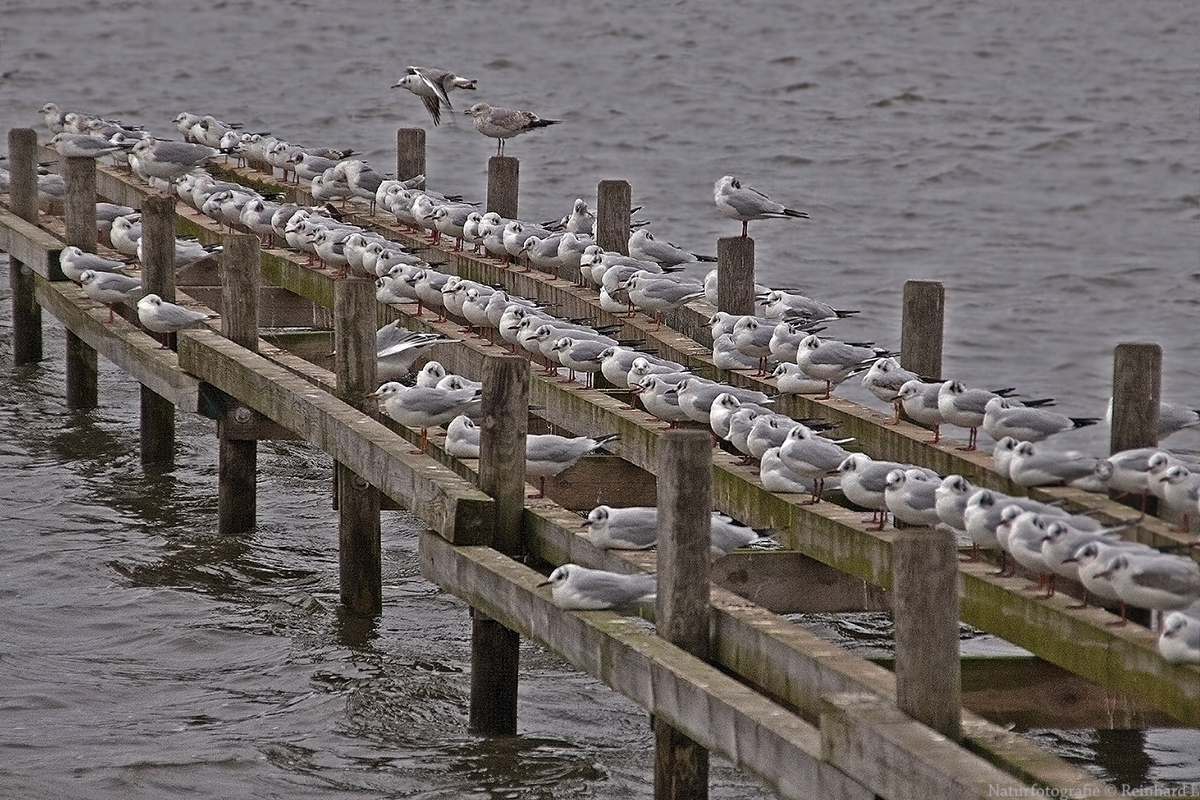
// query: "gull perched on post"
[[504, 123], [744, 203]]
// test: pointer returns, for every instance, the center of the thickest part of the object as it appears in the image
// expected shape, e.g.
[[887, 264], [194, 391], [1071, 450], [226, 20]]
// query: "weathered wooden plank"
[[137, 354], [29, 244], [792, 665], [899, 758], [434, 493], [721, 714]]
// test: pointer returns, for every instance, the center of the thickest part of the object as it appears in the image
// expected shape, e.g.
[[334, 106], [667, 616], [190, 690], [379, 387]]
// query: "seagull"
[[577, 588], [433, 86], [71, 145], [775, 476], [73, 262], [864, 482], [744, 203], [964, 407], [168, 161], [164, 317], [548, 454], [912, 500], [110, 288], [1029, 465], [636, 528], [812, 456], [1158, 581], [504, 123], [1003, 416], [462, 437], [951, 499], [1172, 417], [424, 407], [833, 361], [643, 245], [1179, 641], [885, 379]]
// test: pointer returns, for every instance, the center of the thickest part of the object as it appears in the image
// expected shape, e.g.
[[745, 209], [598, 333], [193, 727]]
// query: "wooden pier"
[[804, 716]]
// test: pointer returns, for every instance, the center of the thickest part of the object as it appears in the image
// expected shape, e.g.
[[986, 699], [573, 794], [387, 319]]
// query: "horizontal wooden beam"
[[899, 758], [718, 712], [125, 345], [29, 244], [443, 500]]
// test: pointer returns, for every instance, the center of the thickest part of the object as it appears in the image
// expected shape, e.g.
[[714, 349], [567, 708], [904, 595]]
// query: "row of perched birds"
[[793, 457]]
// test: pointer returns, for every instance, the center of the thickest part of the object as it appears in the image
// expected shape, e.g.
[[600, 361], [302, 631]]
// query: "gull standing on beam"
[[744, 203], [433, 86], [504, 123]]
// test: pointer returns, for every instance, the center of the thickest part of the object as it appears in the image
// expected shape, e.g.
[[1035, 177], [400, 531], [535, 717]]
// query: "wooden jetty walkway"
[[722, 672]]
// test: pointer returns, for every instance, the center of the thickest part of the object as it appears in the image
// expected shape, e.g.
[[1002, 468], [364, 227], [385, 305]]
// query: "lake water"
[[1039, 159]]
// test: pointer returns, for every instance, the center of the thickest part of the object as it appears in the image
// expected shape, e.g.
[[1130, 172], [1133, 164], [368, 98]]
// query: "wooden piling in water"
[[494, 648], [613, 202], [237, 459], [1136, 393], [503, 186], [682, 606], [921, 328], [735, 274], [26, 313], [410, 153], [79, 216], [925, 593], [158, 277], [359, 549]]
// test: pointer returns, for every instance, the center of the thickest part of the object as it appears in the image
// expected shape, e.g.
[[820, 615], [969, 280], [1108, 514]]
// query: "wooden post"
[[495, 648], [921, 328], [1136, 393], [158, 246], [682, 607], [925, 593], [79, 216], [503, 185], [410, 153], [359, 550], [735, 274], [158, 277], [26, 313], [613, 201], [79, 206], [237, 459]]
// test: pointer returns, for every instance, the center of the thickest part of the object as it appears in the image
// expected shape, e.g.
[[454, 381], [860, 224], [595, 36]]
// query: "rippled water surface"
[[1039, 159]]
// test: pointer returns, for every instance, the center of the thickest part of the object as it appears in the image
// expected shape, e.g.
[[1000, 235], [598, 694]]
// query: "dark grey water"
[[1040, 159]]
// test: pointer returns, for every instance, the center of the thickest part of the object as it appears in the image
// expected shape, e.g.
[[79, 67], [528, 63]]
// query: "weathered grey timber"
[[237, 457], [79, 216], [735, 275], [1137, 390], [721, 714], [445, 502], [503, 185], [26, 313], [682, 605], [360, 556], [613, 201], [899, 758], [928, 672], [495, 649], [410, 153], [158, 277], [922, 317]]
